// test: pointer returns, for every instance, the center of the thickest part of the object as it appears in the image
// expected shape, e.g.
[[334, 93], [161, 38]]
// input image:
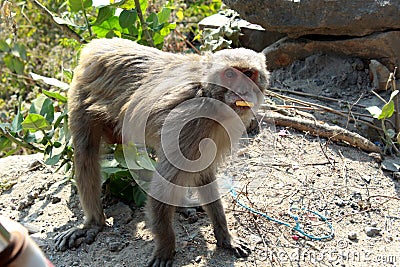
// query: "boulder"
[[322, 17], [382, 46]]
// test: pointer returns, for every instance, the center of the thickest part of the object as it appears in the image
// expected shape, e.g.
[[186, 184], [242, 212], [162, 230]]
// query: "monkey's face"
[[242, 91]]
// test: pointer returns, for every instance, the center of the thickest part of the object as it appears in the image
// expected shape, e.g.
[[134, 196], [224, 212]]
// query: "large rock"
[[327, 17], [382, 46]]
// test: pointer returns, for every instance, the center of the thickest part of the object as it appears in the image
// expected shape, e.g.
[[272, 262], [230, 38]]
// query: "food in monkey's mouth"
[[242, 103]]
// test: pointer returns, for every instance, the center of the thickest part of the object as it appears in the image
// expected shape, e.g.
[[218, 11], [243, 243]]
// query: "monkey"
[[195, 99]]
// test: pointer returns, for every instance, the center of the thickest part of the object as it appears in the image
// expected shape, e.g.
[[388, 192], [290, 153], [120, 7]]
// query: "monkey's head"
[[238, 77]]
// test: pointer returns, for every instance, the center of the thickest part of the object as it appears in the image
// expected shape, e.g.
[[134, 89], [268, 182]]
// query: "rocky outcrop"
[[368, 29], [384, 47], [323, 17]]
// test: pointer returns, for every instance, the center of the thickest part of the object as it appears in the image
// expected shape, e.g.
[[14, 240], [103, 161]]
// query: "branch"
[[325, 108], [335, 133], [144, 25], [19, 142], [67, 30], [187, 42], [314, 96]]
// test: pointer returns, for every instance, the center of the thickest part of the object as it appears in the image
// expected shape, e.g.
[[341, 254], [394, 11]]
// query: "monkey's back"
[[112, 73]]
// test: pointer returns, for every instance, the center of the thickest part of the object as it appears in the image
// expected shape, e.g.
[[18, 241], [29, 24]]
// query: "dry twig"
[[335, 133]]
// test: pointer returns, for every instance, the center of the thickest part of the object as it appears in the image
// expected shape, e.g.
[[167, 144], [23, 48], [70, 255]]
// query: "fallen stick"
[[321, 129]]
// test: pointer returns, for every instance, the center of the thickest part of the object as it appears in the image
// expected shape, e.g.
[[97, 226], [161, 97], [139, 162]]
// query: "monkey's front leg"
[[87, 176], [161, 217], [215, 212], [224, 239]]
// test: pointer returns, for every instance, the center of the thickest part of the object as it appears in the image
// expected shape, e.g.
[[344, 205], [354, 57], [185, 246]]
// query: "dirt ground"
[[277, 171]]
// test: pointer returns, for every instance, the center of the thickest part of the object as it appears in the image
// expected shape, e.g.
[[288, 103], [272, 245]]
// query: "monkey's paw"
[[238, 247], [158, 262], [73, 237]]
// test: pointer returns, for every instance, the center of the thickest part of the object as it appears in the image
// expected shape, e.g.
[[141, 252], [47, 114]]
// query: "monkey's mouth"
[[244, 104]]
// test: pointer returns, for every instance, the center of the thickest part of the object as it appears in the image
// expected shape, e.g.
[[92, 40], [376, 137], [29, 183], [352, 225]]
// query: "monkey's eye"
[[230, 73], [248, 73]]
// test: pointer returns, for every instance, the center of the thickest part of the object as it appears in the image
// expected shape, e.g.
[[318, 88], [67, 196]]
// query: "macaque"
[[191, 108]]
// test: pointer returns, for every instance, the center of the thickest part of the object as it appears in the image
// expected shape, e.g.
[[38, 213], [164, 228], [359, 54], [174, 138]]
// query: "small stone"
[[340, 202], [55, 200], [374, 224], [114, 247], [22, 205], [396, 175], [198, 259], [352, 235], [372, 231]]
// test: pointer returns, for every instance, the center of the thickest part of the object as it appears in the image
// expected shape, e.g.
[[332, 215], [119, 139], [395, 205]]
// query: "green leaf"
[[53, 160], [387, 110], [119, 156], [158, 38], [131, 160], [139, 196], [64, 21], [49, 81], [14, 64], [4, 143], [127, 18], [108, 25], [55, 95], [112, 170], [4, 47], [44, 106], [128, 4], [152, 20], [16, 125], [145, 162], [5, 126], [163, 15], [374, 111], [133, 31], [78, 5], [391, 133], [105, 13], [68, 74], [109, 163], [35, 122], [19, 50]]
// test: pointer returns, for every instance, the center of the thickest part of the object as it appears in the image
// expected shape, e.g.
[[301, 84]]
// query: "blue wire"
[[297, 227]]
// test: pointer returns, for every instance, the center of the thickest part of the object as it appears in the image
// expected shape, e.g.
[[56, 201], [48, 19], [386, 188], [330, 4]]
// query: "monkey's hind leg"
[[86, 138], [161, 217]]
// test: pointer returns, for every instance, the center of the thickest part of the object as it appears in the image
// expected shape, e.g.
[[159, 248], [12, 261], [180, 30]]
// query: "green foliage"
[[13, 56], [120, 176], [225, 36], [37, 57], [387, 109], [119, 20], [41, 129], [383, 114]]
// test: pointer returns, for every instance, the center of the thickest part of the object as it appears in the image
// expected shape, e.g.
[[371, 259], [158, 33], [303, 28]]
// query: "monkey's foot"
[[73, 237], [237, 246], [158, 262]]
